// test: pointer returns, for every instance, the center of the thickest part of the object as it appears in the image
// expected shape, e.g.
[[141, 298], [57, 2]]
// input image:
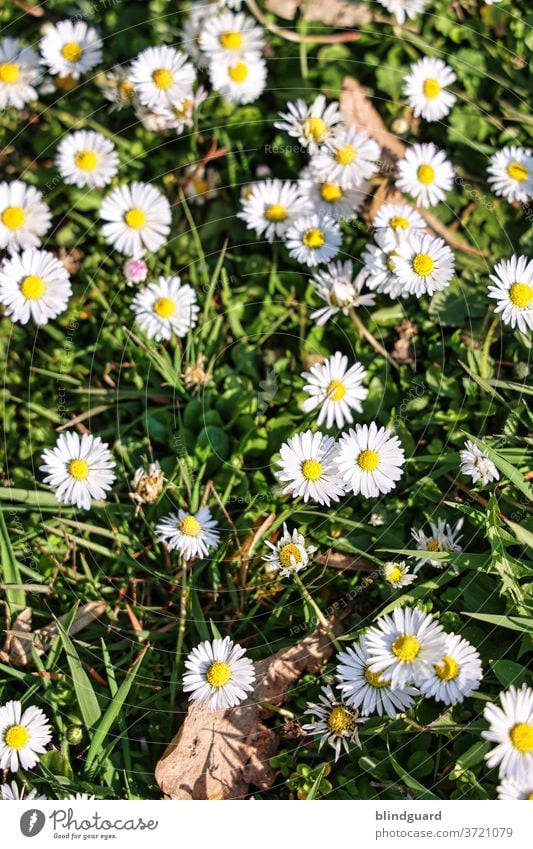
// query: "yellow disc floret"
[[375, 679], [13, 217], [86, 160], [238, 73], [368, 460], [72, 51], [311, 470], [431, 88], [406, 647], [521, 736], [276, 212], [9, 73], [517, 171], [330, 192], [447, 669], [135, 218], [33, 287], [313, 238], [190, 526], [231, 40], [16, 737], [290, 554], [78, 469], [521, 295], [163, 78], [422, 264], [398, 222], [218, 674], [164, 307], [316, 128], [341, 719], [336, 390], [426, 174]]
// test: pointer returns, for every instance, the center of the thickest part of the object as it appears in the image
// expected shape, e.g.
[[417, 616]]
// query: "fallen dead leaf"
[[334, 13], [404, 351], [219, 754], [345, 562]]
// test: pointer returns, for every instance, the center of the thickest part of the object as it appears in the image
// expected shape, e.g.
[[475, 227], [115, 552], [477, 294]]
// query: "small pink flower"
[[135, 270]]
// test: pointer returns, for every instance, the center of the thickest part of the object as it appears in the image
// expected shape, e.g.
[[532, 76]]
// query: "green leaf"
[[508, 672], [412, 783], [10, 568], [87, 701], [513, 623], [511, 472]]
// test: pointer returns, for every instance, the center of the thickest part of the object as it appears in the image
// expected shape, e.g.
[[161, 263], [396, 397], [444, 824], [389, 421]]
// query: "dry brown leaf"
[[334, 13], [404, 351], [219, 754], [18, 642], [349, 562]]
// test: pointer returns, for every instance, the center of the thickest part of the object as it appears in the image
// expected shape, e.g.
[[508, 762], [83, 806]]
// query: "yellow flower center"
[[426, 174], [86, 160], [398, 222], [9, 73], [164, 307], [126, 90], [530, 797], [521, 295], [78, 469], [341, 719], [288, 554], [218, 674], [368, 460], [422, 264], [346, 155], [521, 736], [72, 51], [406, 648], [431, 88], [517, 171], [394, 575], [231, 40], [66, 83], [33, 287], [313, 238], [336, 390], [13, 217], [375, 679], [190, 526], [200, 186], [238, 73], [311, 470], [433, 545], [163, 78], [16, 737], [275, 212], [135, 218], [390, 260], [330, 192], [315, 127], [447, 669]]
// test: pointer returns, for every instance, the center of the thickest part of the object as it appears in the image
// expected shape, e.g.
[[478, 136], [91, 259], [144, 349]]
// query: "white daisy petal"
[[191, 535], [34, 285], [79, 469], [511, 729], [219, 674]]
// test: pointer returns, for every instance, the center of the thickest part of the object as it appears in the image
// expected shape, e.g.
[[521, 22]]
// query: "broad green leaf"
[[87, 701]]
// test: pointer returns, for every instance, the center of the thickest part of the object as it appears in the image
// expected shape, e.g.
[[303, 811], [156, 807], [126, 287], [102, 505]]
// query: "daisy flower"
[[423, 264], [71, 48], [313, 239], [24, 217], [510, 174], [456, 675], [425, 88], [340, 290], [162, 76], [336, 389], [88, 159], [335, 723], [230, 36], [135, 271], [79, 469], [272, 206], [369, 460], [397, 574], [330, 199], [20, 72], [220, 675], [147, 484], [307, 468], [290, 554], [23, 736], [240, 80], [398, 219], [11, 793], [405, 647], [403, 9], [442, 537], [379, 268], [370, 691], [34, 285], [312, 125], [85, 797], [139, 219], [118, 88], [476, 464], [191, 535], [511, 790], [348, 159], [511, 728], [165, 308], [425, 174], [179, 116], [200, 184], [513, 289]]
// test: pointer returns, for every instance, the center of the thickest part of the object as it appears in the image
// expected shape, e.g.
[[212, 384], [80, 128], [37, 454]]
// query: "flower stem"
[[326, 625], [366, 334], [184, 603], [489, 339]]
